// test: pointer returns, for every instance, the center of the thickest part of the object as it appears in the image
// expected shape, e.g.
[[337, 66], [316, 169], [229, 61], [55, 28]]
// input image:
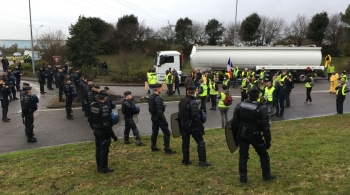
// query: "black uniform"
[[83, 95], [86, 90], [50, 73], [60, 83], [17, 73], [77, 77], [12, 85], [190, 124], [4, 93], [341, 95], [68, 91], [91, 97], [128, 110], [28, 109], [41, 77], [55, 71], [157, 108], [249, 120], [100, 122]]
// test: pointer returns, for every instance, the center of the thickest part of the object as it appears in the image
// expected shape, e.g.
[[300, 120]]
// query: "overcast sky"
[[59, 14]]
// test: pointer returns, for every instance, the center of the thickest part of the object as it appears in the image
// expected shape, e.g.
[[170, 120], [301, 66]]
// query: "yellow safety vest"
[[244, 84], [235, 72], [225, 82], [330, 69], [212, 89], [308, 84], [343, 76], [343, 90], [149, 77], [262, 75], [243, 73], [153, 78], [283, 78], [221, 101], [269, 93], [167, 80], [205, 90]]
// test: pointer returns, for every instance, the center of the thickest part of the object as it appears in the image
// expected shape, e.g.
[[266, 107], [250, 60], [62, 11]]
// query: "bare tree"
[[144, 35], [198, 33], [229, 35], [297, 30], [52, 44], [274, 30], [335, 29], [263, 30], [167, 35]]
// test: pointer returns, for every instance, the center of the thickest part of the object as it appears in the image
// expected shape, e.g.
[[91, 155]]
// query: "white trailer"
[[298, 60]]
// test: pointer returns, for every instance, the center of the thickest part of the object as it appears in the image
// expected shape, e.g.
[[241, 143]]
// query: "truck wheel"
[[301, 77]]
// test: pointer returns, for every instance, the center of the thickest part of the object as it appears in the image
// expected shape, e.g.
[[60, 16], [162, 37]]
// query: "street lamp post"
[[31, 37], [235, 32], [36, 32]]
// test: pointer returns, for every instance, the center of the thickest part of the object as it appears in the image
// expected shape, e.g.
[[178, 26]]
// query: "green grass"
[[309, 156], [340, 63]]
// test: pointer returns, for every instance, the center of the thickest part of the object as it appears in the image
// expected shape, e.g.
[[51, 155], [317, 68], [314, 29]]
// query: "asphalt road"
[[52, 127]]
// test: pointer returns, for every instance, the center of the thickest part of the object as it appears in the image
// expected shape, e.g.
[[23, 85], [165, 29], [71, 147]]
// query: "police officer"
[[77, 76], [84, 92], [49, 73], [69, 93], [41, 76], [190, 124], [156, 107], [55, 71], [29, 106], [17, 72], [250, 118], [87, 89], [60, 83], [342, 90], [12, 80], [129, 109], [99, 120], [4, 93]]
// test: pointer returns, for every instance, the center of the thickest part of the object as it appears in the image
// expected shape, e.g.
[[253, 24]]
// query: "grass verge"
[[309, 156]]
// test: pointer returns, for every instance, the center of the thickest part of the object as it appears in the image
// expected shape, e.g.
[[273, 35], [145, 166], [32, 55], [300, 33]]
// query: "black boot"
[[31, 139], [185, 155], [202, 155], [155, 149], [4, 115], [169, 151], [105, 170], [140, 143], [126, 139]]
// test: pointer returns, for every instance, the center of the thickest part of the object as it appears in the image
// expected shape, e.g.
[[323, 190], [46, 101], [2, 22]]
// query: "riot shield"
[[175, 129], [229, 137]]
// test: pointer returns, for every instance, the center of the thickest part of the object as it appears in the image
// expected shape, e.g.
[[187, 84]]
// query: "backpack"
[[312, 82], [228, 100]]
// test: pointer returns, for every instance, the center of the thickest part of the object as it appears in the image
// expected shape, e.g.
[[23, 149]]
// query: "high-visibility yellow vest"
[[205, 90], [330, 69], [283, 78], [225, 82], [342, 90], [212, 89], [262, 75], [221, 101], [235, 72], [308, 84], [244, 73], [343, 76], [153, 78], [149, 77], [228, 75], [269, 93], [244, 84], [168, 80]]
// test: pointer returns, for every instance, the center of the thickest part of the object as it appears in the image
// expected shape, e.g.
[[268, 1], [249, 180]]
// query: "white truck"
[[36, 54], [298, 60]]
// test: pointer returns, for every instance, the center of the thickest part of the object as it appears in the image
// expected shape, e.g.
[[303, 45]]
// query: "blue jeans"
[[170, 89], [235, 80], [177, 88]]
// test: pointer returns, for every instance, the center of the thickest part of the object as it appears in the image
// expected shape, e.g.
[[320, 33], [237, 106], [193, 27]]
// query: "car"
[[0, 54], [17, 54]]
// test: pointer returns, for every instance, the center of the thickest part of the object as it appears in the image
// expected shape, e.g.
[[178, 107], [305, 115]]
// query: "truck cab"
[[167, 60]]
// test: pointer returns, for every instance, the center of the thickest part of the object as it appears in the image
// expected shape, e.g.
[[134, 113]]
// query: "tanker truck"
[[300, 61]]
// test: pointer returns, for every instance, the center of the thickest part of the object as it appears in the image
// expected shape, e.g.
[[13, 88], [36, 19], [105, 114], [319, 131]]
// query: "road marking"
[[53, 109]]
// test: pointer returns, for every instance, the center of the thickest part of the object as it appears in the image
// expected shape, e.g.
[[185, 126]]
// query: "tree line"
[[91, 36]]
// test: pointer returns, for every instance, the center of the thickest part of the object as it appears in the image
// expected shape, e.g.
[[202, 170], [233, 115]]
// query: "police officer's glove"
[[268, 145]]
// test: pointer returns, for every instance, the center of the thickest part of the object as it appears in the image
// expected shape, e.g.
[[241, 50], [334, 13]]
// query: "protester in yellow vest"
[[226, 82], [244, 88], [268, 94], [235, 77], [328, 60], [330, 70], [169, 82], [342, 90], [308, 85], [343, 76], [334, 82], [213, 94], [222, 107], [152, 79], [14, 60], [244, 73], [262, 73], [148, 79], [203, 92]]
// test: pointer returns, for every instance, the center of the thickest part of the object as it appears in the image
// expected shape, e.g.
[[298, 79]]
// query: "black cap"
[[157, 85], [27, 88], [103, 93], [25, 84], [127, 93], [97, 87], [253, 90], [106, 88], [191, 87], [89, 79]]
